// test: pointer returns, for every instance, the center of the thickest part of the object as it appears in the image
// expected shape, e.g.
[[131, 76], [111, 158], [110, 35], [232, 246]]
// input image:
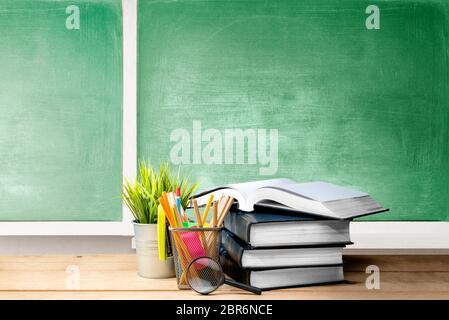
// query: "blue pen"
[[178, 204]]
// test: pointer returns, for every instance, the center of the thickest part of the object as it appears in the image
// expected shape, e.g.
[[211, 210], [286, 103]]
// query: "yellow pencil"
[[206, 211]]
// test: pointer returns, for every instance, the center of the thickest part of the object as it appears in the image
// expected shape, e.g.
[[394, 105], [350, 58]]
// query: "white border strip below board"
[[399, 235], [129, 149], [365, 235]]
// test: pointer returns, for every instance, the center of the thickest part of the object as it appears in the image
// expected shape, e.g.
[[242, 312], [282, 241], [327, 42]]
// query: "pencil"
[[165, 205], [178, 216], [225, 211], [206, 211], [197, 213], [215, 215], [167, 215], [220, 202], [221, 205], [181, 211]]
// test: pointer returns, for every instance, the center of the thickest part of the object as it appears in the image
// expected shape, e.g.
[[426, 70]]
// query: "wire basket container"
[[191, 243]]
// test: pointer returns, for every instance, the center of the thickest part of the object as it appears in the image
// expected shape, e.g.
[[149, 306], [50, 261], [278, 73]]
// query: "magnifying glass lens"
[[204, 275]]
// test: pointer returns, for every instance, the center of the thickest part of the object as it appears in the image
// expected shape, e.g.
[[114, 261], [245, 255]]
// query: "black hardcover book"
[[265, 229], [280, 257]]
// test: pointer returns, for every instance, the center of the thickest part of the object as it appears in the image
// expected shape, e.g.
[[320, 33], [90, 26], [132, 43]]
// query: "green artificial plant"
[[142, 195]]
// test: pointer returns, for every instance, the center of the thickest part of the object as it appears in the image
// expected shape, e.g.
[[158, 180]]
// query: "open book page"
[[319, 198], [242, 192], [320, 191], [248, 189]]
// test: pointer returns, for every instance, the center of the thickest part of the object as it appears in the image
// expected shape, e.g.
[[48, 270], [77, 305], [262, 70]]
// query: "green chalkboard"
[[355, 94], [60, 109]]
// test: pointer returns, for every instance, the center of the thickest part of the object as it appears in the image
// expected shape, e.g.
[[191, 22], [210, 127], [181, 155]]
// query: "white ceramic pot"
[[148, 263]]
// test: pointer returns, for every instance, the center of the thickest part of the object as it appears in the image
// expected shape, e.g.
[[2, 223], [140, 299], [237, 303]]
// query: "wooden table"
[[114, 277]]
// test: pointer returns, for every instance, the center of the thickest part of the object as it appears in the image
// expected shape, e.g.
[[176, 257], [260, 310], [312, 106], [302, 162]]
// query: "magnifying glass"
[[205, 275]]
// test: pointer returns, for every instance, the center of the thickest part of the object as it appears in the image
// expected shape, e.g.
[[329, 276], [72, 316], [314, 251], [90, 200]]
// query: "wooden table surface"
[[115, 277]]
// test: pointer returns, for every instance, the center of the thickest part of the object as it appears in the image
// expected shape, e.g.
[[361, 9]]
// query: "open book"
[[317, 198]]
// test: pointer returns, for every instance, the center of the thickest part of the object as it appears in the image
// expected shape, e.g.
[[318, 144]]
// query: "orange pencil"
[[166, 207], [167, 215]]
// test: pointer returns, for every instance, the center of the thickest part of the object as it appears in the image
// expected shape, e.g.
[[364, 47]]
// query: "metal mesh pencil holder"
[[191, 243]]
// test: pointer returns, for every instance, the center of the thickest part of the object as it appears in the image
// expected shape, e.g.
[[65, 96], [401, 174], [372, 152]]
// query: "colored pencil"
[[178, 216], [221, 205], [225, 211], [197, 213], [206, 211], [166, 206], [215, 214]]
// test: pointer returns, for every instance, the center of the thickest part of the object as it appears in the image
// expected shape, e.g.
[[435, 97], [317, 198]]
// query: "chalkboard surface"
[[60, 110], [356, 93]]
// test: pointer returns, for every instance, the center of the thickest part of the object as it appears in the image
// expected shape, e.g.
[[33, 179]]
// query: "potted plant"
[[142, 198]]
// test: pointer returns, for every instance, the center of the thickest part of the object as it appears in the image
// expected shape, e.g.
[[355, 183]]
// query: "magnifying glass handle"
[[240, 285]]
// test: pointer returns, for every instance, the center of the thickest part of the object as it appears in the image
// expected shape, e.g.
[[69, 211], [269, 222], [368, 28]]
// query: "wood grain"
[[115, 277]]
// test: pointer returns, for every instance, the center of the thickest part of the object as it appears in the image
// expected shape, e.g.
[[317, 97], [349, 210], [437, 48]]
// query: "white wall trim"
[[365, 235], [66, 228], [129, 144], [399, 235], [129, 148]]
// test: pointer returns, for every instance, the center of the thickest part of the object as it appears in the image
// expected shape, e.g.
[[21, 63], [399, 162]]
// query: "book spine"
[[239, 226], [234, 271], [234, 249]]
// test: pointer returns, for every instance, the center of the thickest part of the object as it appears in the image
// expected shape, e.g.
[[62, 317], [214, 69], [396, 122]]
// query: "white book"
[[317, 198], [279, 258]]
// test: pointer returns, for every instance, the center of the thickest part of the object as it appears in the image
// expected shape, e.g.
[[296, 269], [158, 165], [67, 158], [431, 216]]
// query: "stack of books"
[[281, 233]]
